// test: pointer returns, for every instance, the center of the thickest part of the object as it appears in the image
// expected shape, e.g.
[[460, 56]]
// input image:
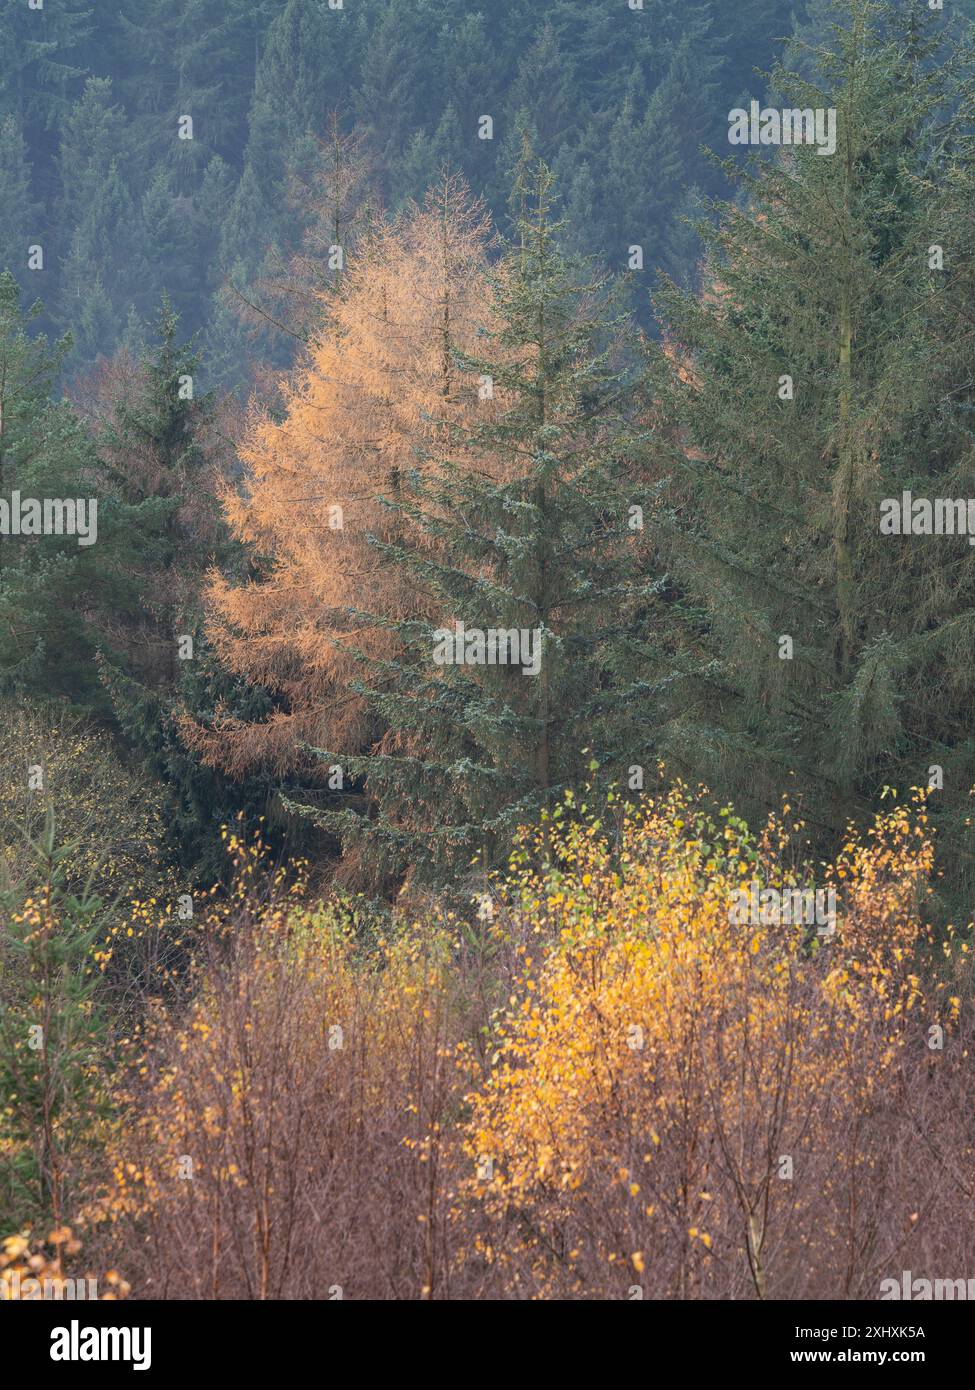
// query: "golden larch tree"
[[374, 396]]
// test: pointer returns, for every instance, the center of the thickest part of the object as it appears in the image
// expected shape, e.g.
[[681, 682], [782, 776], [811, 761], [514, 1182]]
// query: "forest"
[[487, 603]]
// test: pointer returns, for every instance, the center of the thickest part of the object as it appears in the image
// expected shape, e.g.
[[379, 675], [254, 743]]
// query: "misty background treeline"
[[637, 485], [618, 102]]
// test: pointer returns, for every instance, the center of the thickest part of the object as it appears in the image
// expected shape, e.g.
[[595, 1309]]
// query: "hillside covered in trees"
[[188, 146], [487, 585]]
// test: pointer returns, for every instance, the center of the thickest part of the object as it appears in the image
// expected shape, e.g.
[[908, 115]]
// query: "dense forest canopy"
[[357, 317], [97, 165]]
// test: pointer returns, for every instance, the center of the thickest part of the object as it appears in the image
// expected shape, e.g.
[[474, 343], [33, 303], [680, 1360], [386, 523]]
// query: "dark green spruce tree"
[[17, 211], [161, 457], [825, 371], [45, 569], [529, 523]]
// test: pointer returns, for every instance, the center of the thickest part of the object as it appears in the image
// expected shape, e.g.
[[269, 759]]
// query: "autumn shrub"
[[110, 812], [283, 1133], [33, 1269], [89, 925], [54, 1042], [107, 816], [679, 1106], [603, 1085]]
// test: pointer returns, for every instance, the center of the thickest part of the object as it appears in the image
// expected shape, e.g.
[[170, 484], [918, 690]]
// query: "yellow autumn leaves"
[[610, 1083], [654, 1049]]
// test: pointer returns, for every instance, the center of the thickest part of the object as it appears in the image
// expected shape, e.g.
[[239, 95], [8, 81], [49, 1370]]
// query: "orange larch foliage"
[[372, 398]]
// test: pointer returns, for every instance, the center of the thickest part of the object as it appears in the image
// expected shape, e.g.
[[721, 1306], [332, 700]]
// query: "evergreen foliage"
[[826, 367], [524, 527]]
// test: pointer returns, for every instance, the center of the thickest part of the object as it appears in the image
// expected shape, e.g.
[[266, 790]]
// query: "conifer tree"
[[332, 196], [474, 85], [272, 310], [545, 91], [44, 457], [221, 46], [396, 76], [41, 67], [161, 458], [259, 77], [169, 244], [749, 37], [293, 94], [103, 266], [825, 368], [94, 135], [376, 380], [426, 154], [17, 209], [527, 519]]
